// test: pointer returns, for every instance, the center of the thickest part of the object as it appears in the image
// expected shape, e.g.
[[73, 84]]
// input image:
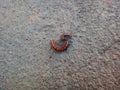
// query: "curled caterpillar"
[[59, 48]]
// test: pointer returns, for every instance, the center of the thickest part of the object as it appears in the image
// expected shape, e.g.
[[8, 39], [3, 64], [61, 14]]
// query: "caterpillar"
[[59, 48]]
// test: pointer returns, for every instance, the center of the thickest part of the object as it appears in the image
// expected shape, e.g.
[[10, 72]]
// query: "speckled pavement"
[[27, 61]]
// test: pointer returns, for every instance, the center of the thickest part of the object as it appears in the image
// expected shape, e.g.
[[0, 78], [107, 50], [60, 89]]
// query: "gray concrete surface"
[[92, 62]]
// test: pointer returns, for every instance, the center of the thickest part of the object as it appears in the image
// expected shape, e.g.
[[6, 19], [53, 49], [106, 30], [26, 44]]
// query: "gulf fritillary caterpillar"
[[59, 48]]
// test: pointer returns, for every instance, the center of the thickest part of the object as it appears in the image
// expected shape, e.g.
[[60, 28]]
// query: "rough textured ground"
[[92, 62]]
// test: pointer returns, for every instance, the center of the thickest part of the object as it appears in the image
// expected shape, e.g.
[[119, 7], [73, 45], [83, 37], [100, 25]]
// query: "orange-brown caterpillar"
[[59, 48]]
